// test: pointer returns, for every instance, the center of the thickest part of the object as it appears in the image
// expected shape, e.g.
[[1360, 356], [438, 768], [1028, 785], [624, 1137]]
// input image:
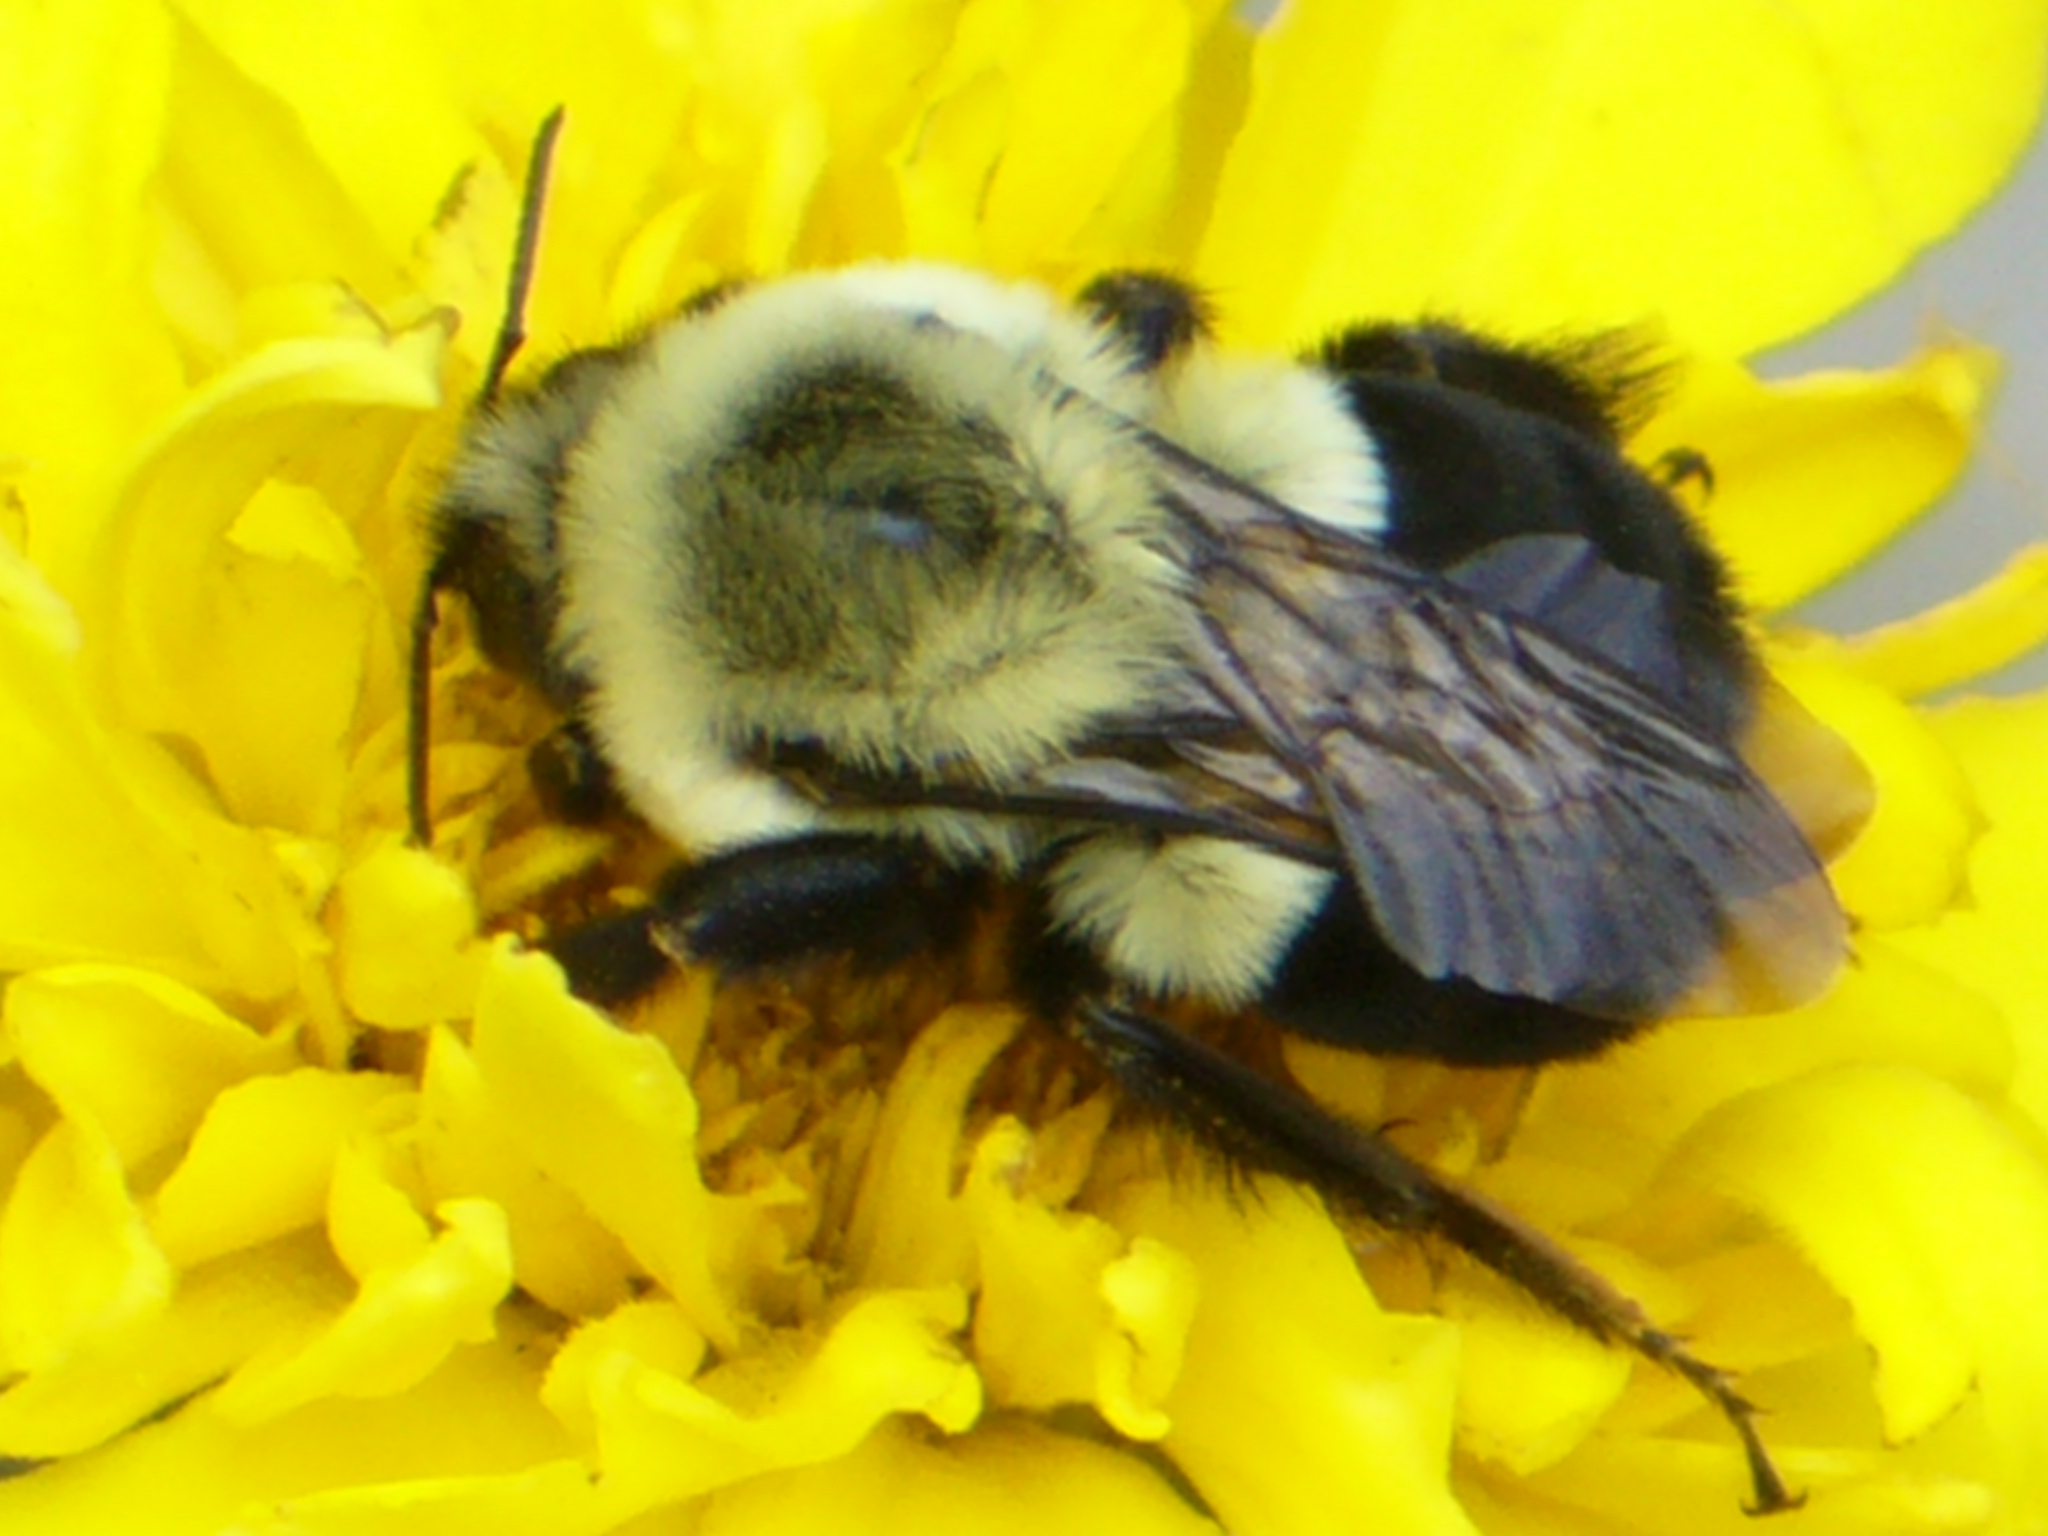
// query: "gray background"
[[1987, 283]]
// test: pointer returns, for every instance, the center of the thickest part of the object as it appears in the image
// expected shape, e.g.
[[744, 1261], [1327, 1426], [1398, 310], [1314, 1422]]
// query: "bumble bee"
[[1374, 690]]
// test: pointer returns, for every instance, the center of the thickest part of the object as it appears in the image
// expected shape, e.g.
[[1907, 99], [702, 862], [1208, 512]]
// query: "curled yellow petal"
[[1152, 1294], [1039, 1309], [555, 1068], [561, 1253], [372, 1222], [1928, 1213], [908, 1226], [138, 1056], [1996, 622], [261, 1162], [650, 1333], [162, 579], [662, 1439], [401, 1324], [76, 1259]]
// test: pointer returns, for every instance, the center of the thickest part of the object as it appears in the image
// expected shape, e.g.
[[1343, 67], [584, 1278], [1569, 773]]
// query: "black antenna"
[[525, 249], [511, 336]]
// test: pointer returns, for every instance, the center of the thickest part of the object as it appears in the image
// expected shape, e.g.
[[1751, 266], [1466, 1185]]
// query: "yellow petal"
[[261, 1162], [136, 1055], [663, 1439], [1522, 175], [1683, 1486], [555, 1068], [230, 146], [87, 358], [372, 1221], [1996, 622], [651, 1333], [1997, 743], [220, 1316], [197, 1474], [1152, 1294], [625, 76], [1930, 1215], [405, 936], [552, 1500], [1529, 1386], [76, 1260], [1613, 1118], [402, 1323], [908, 1226], [1015, 1479], [1994, 939], [1813, 475], [160, 583], [278, 659], [560, 1252], [395, 162], [1128, 59], [122, 861], [1301, 1406], [1908, 861], [1040, 1308]]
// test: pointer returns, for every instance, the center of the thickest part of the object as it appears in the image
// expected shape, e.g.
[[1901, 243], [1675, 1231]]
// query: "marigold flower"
[[326, 1209]]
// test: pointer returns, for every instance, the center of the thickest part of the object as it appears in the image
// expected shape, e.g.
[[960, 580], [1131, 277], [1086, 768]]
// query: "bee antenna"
[[525, 249], [511, 337], [419, 699]]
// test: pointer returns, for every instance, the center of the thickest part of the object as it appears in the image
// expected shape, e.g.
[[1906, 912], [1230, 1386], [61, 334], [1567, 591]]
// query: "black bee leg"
[[878, 900], [1681, 468], [1157, 316], [1256, 1123]]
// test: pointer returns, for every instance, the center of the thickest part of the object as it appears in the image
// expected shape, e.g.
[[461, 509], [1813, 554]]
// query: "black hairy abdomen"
[[1465, 472], [1341, 984]]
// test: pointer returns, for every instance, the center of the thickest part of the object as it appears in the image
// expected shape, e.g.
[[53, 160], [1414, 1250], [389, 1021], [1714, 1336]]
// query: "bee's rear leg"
[[1262, 1125]]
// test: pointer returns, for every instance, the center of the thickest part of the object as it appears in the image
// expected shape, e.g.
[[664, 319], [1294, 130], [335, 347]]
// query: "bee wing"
[[1514, 809]]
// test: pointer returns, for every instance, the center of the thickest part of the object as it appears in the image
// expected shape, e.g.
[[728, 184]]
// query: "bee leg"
[[1678, 469], [879, 900], [1256, 1123], [1157, 316]]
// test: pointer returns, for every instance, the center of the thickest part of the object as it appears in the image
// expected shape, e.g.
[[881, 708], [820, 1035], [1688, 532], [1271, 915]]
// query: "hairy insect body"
[[1377, 689], [909, 521]]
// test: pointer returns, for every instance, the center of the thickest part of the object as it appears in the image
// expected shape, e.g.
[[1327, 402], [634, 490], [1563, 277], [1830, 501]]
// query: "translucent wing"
[[1514, 809]]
